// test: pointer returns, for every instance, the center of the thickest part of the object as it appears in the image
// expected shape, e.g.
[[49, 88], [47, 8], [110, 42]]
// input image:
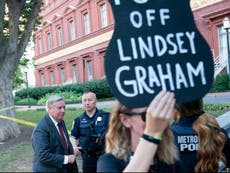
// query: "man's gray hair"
[[53, 99]]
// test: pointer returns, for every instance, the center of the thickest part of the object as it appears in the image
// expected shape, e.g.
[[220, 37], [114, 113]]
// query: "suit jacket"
[[48, 147]]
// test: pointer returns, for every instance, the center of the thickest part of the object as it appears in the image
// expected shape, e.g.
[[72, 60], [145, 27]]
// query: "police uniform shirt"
[[187, 141], [85, 127]]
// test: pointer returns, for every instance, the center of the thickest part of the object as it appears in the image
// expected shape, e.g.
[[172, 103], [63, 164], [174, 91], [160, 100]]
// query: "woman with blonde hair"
[[200, 140], [140, 140]]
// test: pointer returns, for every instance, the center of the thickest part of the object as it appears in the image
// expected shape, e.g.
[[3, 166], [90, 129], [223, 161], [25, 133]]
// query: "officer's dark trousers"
[[89, 163]]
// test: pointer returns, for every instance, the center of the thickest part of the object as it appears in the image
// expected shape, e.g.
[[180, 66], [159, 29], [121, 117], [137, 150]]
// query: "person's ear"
[[125, 120], [176, 115]]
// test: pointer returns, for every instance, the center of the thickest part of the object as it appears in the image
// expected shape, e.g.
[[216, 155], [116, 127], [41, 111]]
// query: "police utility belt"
[[92, 153]]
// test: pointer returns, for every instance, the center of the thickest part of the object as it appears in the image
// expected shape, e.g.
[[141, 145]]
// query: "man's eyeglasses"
[[142, 114]]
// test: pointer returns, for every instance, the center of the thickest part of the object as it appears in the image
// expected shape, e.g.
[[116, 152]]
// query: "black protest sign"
[[156, 46]]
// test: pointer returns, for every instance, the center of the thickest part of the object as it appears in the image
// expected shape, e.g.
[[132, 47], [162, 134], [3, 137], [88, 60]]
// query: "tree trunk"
[[8, 129], [13, 41]]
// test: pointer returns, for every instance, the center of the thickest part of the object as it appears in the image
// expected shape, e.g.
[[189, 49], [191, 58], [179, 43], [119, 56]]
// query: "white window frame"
[[72, 30], [75, 73], [62, 75], [90, 70], [52, 79], [40, 45], [47, 2], [43, 79], [49, 39], [223, 50], [86, 23], [103, 13], [60, 36]]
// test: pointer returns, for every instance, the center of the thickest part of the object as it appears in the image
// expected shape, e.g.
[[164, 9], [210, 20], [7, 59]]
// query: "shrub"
[[221, 83], [70, 97], [214, 107], [100, 87], [24, 101]]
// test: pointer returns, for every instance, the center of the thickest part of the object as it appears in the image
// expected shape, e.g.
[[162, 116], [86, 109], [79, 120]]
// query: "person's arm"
[[73, 135], [74, 143], [158, 114]]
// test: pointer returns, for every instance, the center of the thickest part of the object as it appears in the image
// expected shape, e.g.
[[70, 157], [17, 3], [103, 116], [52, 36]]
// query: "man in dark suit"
[[53, 151]]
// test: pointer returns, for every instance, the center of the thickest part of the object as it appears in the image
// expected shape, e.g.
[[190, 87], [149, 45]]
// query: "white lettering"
[[153, 77], [134, 48], [187, 139], [136, 23], [159, 39], [180, 42], [132, 82], [170, 42], [180, 77], [196, 72], [145, 48], [141, 1], [164, 15], [183, 146], [117, 2], [191, 37], [141, 76], [166, 76], [121, 53], [181, 139], [146, 79], [189, 147], [149, 16]]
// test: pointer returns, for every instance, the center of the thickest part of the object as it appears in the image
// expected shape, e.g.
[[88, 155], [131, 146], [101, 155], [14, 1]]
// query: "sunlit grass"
[[9, 158], [35, 115]]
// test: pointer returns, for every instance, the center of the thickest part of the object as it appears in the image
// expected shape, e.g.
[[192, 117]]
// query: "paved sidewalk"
[[214, 98], [107, 104]]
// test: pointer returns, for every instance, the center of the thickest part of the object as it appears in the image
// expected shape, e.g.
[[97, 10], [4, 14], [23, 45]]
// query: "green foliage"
[[100, 87], [19, 77], [25, 101], [214, 107], [70, 97], [221, 83], [35, 92]]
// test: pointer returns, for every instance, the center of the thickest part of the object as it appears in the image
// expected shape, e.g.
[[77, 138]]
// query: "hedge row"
[[100, 87]]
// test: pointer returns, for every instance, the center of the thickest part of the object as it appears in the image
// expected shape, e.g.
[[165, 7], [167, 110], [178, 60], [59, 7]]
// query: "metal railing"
[[219, 65]]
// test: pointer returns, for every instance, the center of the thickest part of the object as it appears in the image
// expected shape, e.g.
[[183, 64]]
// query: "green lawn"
[[35, 115], [71, 113], [15, 159]]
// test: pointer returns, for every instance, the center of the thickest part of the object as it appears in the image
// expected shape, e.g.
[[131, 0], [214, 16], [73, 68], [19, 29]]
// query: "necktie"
[[63, 137]]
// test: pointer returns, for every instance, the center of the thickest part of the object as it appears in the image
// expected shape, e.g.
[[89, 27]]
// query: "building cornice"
[[197, 4]]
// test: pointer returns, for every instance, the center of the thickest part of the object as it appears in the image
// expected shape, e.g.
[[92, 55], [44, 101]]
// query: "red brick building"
[[209, 18], [71, 44]]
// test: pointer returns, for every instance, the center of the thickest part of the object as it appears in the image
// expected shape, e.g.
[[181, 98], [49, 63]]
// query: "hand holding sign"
[[156, 46]]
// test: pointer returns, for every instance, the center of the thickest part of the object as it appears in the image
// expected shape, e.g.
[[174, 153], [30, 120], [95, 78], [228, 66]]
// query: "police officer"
[[199, 138], [88, 132]]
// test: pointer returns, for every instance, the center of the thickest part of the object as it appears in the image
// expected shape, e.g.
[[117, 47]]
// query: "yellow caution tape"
[[3, 109], [19, 121]]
